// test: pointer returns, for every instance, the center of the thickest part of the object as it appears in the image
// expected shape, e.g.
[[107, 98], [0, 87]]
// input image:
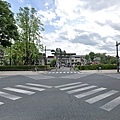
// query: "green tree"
[[92, 55], [8, 28], [30, 32], [103, 58], [87, 57], [53, 62]]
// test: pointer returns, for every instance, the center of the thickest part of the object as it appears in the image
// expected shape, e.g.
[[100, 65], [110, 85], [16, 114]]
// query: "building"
[[49, 59], [67, 61], [77, 60], [97, 60]]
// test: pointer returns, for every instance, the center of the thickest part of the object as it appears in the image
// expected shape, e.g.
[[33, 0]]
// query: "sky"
[[77, 26]]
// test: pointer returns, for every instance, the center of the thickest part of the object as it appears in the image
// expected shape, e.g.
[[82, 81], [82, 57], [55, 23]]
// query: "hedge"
[[23, 68], [94, 67]]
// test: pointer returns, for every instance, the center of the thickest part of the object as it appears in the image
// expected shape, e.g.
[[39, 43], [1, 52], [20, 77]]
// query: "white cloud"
[[82, 18], [21, 1], [47, 15]]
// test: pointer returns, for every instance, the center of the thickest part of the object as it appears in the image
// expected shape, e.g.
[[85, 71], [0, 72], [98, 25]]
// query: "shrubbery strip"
[[95, 67], [23, 68]]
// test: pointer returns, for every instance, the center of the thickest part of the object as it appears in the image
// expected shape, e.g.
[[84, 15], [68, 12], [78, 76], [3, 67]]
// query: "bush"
[[22, 68], [94, 67]]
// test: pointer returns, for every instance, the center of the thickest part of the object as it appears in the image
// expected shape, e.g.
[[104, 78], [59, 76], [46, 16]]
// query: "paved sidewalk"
[[2, 73], [38, 72], [100, 71]]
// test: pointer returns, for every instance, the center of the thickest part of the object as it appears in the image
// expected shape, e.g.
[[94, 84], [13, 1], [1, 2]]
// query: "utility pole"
[[45, 59], [117, 56]]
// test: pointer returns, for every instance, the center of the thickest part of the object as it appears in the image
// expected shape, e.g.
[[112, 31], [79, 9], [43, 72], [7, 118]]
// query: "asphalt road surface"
[[60, 95]]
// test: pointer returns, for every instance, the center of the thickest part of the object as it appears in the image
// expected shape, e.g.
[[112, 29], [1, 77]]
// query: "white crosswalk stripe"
[[9, 96], [112, 104], [1, 103], [62, 72], [38, 85], [22, 90], [76, 76], [90, 92], [107, 106], [81, 89], [29, 87], [67, 84], [100, 97], [67, 88], [39, 77], [19, 90]]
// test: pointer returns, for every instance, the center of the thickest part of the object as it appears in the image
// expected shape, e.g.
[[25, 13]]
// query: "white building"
[[77, 60], [49, 59]]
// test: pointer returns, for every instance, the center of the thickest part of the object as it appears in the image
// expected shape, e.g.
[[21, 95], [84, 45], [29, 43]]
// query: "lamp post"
[[117, 56], [45, 59]]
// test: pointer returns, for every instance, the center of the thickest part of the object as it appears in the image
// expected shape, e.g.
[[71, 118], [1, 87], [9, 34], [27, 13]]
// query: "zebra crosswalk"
[[61, 72], [81, 90], [78, 89], [27, 89]]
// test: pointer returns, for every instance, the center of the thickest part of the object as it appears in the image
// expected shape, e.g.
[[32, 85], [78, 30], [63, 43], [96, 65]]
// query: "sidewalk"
[[8, 73], [20, 73], [100, 71]]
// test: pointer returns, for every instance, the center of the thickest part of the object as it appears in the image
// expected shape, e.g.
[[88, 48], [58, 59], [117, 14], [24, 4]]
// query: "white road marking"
[[38, 85], [67, 88], [56, 72], [71, 72], [81, 89], [67, 84], [19, 90], [100, 97], [1, 103], [53, 72], [74, 72], [38, 77], [28, 87], [67, 72], [60, 72], [76, 76], [112, 104], [64, 72], [89, 92], [9, 96]]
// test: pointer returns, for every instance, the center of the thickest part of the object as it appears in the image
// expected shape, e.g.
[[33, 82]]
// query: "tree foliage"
[[104, 59], [30, 31], [8, 28]]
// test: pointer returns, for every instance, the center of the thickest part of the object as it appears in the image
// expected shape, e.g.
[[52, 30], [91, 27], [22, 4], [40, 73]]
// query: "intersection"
[[60, 95]]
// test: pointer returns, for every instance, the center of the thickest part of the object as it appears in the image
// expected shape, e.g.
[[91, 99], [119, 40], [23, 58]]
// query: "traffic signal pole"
[[117, 56], [45, 60]]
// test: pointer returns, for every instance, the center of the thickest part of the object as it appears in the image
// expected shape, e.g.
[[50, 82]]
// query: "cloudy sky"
[[78, 26]]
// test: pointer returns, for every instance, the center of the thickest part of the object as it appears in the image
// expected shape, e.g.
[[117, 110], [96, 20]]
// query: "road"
[[60, 95]]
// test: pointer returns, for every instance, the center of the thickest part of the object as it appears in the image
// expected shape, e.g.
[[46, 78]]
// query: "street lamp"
[[117, 56], [45, 60]]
